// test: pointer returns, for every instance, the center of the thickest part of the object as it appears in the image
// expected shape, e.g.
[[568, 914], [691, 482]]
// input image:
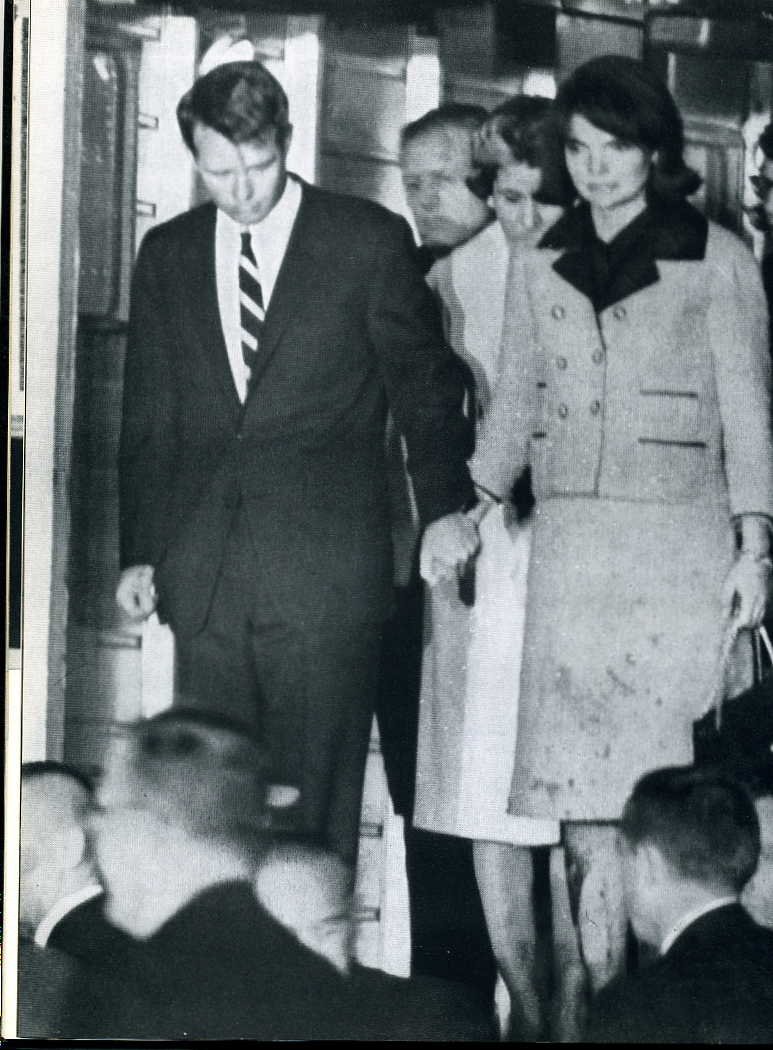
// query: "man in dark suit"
[[179, 835], [269, 330], [689, 842]]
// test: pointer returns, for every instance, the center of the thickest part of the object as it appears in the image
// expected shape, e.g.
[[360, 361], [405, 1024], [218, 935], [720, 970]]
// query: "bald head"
[[56, 803]]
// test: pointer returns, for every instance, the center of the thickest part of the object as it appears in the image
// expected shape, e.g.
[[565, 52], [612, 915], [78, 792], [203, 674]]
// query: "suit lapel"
[[204, 332], [300, 266]]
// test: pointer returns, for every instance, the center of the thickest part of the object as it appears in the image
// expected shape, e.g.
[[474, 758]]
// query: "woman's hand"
[[745, 591]]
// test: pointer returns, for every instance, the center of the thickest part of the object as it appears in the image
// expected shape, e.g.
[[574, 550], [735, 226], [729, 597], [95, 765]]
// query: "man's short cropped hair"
[[703, 822], [49, 768], [240, 100], [451, 116], [198, 770]]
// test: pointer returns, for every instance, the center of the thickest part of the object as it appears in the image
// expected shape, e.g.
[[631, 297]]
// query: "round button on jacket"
[[619, 313], [558, 311], [561, 362], [563, 411], [595, 408], [598, 356]]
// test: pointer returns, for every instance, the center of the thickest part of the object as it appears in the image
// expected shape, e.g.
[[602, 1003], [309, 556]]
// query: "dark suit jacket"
[[85, 934], [220, 968], [350, 326], [714, 985]]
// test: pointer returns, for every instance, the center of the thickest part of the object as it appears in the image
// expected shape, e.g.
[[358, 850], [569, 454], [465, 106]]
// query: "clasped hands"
[[449, 543]]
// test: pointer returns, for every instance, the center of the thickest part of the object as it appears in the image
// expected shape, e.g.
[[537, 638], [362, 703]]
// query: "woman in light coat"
[[643, 409], [469, 698]]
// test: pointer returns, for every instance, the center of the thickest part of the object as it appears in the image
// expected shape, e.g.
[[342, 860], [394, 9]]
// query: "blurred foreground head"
[[309, 891], [55, 859], [180, 808]]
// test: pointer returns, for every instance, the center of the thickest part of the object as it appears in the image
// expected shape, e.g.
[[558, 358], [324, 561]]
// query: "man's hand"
[[745, 590], [447, 546], [136, 593]]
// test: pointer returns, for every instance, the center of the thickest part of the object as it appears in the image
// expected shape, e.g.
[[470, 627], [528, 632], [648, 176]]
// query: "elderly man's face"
[[435, 167]]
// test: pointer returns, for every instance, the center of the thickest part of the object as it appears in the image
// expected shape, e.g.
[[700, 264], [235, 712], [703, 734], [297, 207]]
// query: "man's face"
[[435, 167], [246, 179]]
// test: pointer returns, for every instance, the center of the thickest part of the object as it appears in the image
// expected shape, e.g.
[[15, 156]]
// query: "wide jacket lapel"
[[665, 231], [203, 335]]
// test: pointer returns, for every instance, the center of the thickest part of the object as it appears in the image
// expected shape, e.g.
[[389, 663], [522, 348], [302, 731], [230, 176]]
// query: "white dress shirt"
[[692, 916], [63, 907], [269, 244]]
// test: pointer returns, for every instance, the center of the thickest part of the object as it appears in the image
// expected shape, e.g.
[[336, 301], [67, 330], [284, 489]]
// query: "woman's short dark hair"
[[240, 100], [702, 821], [529, 125], [625, 99]]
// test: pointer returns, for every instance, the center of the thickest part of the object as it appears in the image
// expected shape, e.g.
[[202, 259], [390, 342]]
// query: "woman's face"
[[607, 172], [521, 217]]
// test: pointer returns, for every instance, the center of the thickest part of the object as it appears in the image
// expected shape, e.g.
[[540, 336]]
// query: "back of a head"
[[450, 117], [703, 823], [198, 771], [621, 96], [53, 796], [55, 858], [309, 891], [240, 100]]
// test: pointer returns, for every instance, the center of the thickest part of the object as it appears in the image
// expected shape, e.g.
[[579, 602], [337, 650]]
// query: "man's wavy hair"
[[702, 821], [625, 99], [240, 100]]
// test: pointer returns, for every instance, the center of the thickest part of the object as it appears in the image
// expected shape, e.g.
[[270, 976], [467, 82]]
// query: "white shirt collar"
[[63, 907], [270, 239], [692, 916]]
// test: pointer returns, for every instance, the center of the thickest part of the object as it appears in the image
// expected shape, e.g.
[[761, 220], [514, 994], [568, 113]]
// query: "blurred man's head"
[[55, 859], [180, 808], [436, 158], [687, 836], [309, 891]]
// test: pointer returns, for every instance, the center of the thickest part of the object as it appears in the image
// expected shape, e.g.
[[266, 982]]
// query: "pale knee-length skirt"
[[622, 639], [469, 698]]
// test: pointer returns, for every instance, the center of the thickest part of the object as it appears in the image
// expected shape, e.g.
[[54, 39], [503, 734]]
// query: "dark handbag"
[[736, 735]]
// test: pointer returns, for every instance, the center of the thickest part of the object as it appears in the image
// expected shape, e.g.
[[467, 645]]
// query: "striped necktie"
[[251, 310]]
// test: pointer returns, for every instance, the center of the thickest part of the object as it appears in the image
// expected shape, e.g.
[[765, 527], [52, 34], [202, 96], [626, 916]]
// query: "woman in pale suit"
[[643, 410], [472, 658]]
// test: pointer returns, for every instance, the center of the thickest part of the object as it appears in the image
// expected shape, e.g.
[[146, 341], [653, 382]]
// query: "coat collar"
[[676, 232]]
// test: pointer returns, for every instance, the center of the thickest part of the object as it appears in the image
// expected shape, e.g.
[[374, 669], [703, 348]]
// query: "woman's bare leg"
[[505, 877], [589, 921]]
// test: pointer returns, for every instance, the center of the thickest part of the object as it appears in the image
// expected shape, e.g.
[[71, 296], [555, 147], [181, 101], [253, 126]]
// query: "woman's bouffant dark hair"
[[529, 126], [625, 99], [240, 100]]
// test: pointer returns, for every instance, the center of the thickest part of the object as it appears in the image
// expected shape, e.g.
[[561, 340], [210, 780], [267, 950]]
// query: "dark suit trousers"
[[305, 683], [449, 937]]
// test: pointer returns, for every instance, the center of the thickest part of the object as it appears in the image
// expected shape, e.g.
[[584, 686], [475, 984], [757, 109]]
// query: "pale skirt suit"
[[471, 666], [647, 427]]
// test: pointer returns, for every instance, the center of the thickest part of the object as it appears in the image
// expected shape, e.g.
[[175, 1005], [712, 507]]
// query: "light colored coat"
[[647, 430]]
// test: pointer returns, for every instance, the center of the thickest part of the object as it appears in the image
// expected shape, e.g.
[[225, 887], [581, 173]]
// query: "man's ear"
[[654, 866], [288, 138], [73, 847]]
